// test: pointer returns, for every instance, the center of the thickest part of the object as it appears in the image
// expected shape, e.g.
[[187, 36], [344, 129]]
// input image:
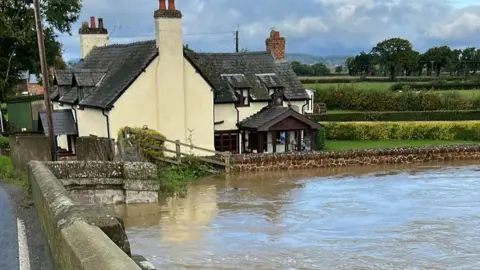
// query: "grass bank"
[[347, 145], [11, 176], [174, 179]]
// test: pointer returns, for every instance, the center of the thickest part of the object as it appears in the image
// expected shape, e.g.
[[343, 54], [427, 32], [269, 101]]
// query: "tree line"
[[18, 37], [396, 57]]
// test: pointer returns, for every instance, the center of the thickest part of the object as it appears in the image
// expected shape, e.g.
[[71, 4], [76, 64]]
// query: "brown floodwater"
[[401, 217]]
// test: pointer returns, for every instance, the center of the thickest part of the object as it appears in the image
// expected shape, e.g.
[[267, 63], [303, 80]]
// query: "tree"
[[338, 69], [469, 60], [350, 64], [439, 57], [18, 39], [320, 69], [363, 63], [393, 53]]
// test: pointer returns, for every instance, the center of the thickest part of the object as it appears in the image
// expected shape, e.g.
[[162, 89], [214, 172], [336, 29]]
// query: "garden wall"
[[79, 236], [106, 182], [308, 160]]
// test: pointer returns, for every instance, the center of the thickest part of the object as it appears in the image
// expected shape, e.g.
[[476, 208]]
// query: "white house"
[[201, 96]]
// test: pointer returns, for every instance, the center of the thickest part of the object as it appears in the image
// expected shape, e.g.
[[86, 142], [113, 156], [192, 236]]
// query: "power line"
[[153, 35]]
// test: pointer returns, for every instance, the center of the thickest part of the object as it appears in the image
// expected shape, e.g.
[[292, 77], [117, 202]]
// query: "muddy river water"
[[406, 217]]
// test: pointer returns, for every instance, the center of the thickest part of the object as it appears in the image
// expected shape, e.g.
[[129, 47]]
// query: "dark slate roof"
[[63, 122], [107, 72], [263, 116], [89, 77], [259, 70], [70, 96], [63, 77], [270, 113]]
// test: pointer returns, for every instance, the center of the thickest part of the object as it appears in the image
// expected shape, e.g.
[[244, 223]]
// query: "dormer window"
[[243, 97], [276, 96]]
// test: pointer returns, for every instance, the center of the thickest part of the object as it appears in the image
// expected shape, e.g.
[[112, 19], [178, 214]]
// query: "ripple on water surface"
[[394, 218]]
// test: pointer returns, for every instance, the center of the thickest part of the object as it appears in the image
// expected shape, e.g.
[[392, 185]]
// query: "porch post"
[[299, 140], [313, 135], [274, 141], [260, 142], [242, 143]]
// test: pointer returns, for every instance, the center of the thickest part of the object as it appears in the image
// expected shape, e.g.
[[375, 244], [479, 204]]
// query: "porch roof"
[[271, 115], [63, 123]]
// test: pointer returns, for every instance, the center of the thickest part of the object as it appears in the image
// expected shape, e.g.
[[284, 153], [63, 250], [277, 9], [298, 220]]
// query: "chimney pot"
[[171, 4], [162, 5], [92, 22], [100, 23]]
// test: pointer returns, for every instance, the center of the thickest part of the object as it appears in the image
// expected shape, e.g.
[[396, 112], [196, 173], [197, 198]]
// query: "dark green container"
[[23, 112]]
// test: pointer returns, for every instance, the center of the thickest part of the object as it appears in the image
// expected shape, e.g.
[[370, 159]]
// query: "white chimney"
[[92, 36], [170, 71]]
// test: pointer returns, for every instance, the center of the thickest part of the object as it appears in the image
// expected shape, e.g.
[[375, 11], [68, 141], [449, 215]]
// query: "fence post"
[[177, 150], [227, 162]]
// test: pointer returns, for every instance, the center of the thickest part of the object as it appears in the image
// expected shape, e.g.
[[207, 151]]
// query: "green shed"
[[23, 112]]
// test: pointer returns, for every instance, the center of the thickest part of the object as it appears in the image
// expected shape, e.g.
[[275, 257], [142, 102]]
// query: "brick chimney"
[[276, 45], [171, 5], [92, 22], [92, 36], [170, 71]]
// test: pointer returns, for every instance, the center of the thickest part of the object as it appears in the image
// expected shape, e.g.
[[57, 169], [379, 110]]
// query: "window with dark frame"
[[226, 142], [243, 96], [276, 95]]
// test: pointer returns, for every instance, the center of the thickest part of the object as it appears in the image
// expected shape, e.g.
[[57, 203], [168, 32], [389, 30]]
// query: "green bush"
[[11, 176], [321, 138], [174, 179], [150, 142], [4, 143], [349, 98], [437, 85], [399, 116], [469, 131]]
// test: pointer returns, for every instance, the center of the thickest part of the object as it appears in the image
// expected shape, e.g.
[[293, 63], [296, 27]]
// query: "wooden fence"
[[222, 159]]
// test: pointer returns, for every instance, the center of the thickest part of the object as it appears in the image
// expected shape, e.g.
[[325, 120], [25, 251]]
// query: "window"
[[226, 141], [243, 96], [276, 95]]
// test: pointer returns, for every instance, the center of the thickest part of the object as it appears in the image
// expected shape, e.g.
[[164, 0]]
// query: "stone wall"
[[79, 236], [95, 148], [329, 159], [106, 182], [27, 147]]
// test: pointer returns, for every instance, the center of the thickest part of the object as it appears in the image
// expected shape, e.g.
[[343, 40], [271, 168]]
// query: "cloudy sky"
[[320, 27]]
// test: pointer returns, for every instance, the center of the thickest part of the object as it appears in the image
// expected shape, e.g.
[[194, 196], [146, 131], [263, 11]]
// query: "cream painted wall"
[[198, 109], [228, 114], [298, 104], [137, 106], [90, 41], [169, 79], [91, 122]]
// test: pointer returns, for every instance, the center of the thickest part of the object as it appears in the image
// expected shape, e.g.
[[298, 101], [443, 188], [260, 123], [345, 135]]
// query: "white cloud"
[[310, 26]]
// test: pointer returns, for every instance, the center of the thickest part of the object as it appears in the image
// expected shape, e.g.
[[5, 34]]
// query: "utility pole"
[[236, 39], [43, 65]]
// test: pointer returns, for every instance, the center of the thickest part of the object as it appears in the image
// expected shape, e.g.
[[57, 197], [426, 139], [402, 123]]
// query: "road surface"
[[9, 251], [22, 245]]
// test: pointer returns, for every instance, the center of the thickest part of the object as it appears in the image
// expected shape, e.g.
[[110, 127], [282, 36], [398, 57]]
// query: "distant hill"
[[329, 60]]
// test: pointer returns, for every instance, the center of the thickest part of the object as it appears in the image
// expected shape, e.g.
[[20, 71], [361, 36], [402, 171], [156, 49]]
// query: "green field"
[[383, 86], [346, 145]]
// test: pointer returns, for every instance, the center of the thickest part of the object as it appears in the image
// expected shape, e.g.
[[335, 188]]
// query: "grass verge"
[[348, 145], [174, 179], [11, 176]]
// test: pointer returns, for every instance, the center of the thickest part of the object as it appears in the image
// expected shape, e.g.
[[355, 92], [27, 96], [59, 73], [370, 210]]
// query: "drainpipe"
[[239, 137], [112, 150], [108, 123], [76, 124], [303, 107]]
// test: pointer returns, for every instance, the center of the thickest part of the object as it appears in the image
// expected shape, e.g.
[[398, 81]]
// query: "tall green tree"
[[439, 57], [393, 53], [18, 39]]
